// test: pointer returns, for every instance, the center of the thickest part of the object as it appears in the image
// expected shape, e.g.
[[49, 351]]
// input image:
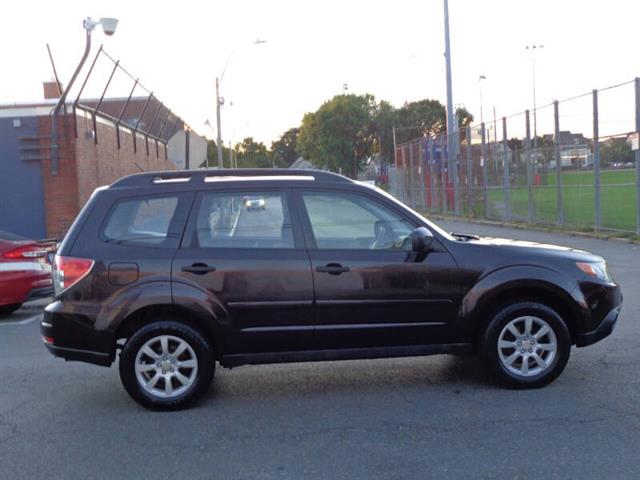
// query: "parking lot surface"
[[433, 417]]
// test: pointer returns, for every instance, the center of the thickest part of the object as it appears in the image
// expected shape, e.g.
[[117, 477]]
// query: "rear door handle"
[[199, 268], [332, 269]]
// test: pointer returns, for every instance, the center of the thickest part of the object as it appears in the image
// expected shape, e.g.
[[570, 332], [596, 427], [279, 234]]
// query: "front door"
[[371, 290], [241, 248]]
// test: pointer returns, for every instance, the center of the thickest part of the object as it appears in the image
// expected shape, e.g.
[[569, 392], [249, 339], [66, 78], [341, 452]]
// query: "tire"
[[173, 381], [526, 345], [8, 309]]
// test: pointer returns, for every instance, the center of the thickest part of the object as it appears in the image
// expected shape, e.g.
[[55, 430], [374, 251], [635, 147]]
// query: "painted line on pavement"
[[26, 321]]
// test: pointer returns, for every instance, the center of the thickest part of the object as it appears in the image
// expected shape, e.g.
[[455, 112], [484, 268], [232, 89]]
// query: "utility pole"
[[533, 49], [219, 139], [395, 160], [480, 79], [450, 120]]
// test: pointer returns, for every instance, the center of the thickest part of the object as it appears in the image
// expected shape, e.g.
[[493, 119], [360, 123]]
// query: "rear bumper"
[[71, 354], [604, 329], [67, 336]]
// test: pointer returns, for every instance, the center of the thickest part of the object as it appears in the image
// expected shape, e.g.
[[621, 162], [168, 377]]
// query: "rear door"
[[243, 248]]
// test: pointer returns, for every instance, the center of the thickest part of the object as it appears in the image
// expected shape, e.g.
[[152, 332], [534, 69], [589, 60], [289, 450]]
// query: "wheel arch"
[[146, 315], [539, 285]]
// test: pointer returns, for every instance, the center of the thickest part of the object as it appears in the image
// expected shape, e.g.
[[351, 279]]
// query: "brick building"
[[95, 148]]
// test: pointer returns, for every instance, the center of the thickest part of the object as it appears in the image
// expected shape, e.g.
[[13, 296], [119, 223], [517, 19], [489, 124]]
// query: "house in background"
[[575, 150]]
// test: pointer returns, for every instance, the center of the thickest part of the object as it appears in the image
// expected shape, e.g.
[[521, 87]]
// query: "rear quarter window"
[[154, 221]]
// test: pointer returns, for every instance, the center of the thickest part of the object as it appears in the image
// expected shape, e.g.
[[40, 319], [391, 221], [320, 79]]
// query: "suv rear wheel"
[[526, 345], [166, 365]]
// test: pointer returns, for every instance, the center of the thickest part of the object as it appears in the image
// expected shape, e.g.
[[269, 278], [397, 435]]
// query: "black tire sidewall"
[[9, 309], [204, 355], [501, 319]]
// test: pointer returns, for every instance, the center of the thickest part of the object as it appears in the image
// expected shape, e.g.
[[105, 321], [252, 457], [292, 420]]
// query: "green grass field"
[[618, 200]]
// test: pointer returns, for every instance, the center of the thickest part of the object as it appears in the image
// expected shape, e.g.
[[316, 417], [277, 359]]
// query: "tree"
[[616, 150], [283, 150], [515, 144], [212, 155], [384, 119], [422, 118], [339, 135], [464, 117], [252, 154]]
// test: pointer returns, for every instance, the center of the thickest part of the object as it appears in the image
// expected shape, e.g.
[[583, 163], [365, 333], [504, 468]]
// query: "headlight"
[[595, 269]]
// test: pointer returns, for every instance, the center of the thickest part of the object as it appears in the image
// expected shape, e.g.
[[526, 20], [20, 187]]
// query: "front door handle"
[[199, 268], [332, 269]]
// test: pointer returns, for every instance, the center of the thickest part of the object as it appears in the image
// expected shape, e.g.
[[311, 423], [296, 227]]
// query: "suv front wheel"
[[526, 345], [166, 365]]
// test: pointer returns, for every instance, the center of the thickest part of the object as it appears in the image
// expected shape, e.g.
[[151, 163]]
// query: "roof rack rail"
[[198, 176]]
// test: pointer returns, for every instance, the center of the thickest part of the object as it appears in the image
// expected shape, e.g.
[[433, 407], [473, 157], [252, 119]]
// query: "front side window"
[[143, 220], [347, 221], [243, 220]]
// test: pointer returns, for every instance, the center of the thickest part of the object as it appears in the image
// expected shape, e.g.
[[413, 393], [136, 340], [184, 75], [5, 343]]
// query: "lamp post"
[[109, 26], [451, 146], [220, 102], [480, 79], [533, 49]]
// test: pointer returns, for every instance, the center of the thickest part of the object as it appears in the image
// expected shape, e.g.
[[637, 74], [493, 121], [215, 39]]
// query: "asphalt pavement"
[[411, 418]]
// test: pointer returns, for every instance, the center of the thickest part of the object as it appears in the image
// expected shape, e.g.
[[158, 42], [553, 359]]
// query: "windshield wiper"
[[465, 237]]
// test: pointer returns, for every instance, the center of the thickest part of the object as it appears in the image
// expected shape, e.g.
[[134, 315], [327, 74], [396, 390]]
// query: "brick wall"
[[103, 162], [61, 190], [85, 165]]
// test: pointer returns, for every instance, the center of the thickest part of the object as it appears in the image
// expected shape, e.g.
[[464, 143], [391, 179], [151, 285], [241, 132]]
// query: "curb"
[[609, 236]]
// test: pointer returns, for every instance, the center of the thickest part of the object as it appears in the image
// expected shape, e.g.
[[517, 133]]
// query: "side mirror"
[[421, 240]]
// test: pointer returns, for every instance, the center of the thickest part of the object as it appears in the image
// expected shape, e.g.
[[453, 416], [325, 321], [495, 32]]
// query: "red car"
[[25, 271]]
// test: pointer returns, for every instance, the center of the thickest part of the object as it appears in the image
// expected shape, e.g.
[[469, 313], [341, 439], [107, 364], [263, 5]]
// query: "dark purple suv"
[[180, 270]]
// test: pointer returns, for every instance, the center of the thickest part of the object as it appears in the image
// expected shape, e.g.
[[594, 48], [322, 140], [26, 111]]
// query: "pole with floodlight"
[[220, 102], [109, 26]]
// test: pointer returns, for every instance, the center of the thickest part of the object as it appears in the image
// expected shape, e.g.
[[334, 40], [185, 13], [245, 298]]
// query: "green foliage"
[[284, 150], [616, 150], [347, 129], [339, 135], [252, 154], [212, 155], [344, 132]]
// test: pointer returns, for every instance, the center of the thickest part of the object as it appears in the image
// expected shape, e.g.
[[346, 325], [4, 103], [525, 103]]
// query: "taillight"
[[25, 252], [67, 271]]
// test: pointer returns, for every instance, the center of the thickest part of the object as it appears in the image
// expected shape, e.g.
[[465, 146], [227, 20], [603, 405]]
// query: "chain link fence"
[[573, 163]]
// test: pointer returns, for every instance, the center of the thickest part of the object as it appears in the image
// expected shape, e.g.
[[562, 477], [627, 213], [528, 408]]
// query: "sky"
[[393, 50]]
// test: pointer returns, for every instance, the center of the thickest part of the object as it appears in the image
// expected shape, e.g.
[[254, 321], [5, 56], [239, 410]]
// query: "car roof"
[[226, 175]]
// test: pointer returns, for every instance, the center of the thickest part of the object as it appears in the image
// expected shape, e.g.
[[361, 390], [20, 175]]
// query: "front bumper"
[[604, 329]]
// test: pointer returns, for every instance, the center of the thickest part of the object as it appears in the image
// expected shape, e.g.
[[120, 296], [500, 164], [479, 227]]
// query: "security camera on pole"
[[109, 26]]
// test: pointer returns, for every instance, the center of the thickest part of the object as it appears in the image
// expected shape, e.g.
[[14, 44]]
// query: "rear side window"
[[148, 221], [243, 220]]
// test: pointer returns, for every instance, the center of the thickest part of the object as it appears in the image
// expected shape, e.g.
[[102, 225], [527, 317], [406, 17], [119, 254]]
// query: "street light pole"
[[220, 102], [219, 138], [447, 54], [533, 49], [480, 79]]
